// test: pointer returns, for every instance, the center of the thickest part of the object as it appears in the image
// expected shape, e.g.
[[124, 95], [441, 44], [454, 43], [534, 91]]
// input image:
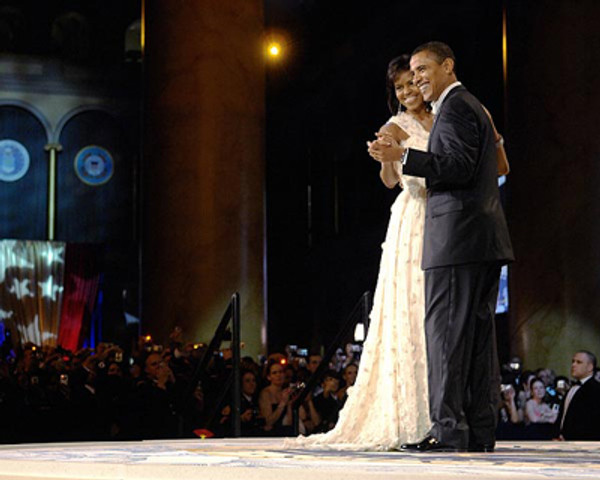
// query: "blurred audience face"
[[313, 363], [114, 369], [581, 366], [153, 365], [331, 384], [527, 384], [289, 374], [538, 389], [349, 374], [249, 384], [546, 376], [275, 375], [135, 371]]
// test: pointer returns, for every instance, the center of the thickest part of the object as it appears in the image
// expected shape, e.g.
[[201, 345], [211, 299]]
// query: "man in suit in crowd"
[[579, 417], [466, 242]]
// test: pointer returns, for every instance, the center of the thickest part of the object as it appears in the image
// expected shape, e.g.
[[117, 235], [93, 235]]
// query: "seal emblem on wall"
[[94, 165], [14, 160]]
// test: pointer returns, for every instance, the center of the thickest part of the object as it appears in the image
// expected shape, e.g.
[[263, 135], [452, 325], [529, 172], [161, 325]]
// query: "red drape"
[[81, 287]]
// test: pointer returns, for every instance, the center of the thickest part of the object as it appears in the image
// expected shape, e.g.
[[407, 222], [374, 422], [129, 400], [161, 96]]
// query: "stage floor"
[[266, 459]]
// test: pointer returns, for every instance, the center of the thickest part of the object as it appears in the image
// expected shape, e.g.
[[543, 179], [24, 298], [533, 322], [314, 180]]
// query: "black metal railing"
[[233, 381], [360, 313]]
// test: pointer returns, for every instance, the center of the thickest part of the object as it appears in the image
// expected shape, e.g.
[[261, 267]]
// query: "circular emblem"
[[14, 160], [94, 165]]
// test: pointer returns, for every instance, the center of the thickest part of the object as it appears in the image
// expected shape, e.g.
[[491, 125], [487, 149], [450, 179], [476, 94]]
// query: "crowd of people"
[[540, 405], [50, 394]]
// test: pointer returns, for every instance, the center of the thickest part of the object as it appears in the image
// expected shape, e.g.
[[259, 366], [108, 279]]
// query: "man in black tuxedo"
[[466, 242], [579, 417]]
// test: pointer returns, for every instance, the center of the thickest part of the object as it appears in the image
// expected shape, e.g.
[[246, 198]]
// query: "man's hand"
[[385, 149], [247, 415]]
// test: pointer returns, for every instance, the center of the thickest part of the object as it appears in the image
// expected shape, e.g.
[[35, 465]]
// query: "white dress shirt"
[[436, 104]]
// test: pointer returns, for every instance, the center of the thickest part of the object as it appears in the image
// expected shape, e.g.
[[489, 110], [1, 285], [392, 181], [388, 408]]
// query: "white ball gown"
[[389, 403]]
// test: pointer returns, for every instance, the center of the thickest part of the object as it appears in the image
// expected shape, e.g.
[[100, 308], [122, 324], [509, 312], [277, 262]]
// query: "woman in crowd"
[[349, 377], [536, 409], [275, 403]]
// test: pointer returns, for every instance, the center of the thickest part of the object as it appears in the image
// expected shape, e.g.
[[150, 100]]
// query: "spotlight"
[[274, 49], [276, 46]]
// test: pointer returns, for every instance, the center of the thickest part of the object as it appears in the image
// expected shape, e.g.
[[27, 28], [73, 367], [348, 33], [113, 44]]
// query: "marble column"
[[203, 167]]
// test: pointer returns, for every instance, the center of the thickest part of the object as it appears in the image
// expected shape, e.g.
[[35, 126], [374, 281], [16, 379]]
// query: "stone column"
[[203, 167], [553, 144]]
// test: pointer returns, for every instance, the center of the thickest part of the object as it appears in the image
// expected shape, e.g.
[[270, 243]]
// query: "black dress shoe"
[[483, 448], [428, 444]]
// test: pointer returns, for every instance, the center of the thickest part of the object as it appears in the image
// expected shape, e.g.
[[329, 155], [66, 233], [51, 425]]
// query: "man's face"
[[249, 384], [313, 363], [153, 365], [350, 375], [429, 76], [581, 366], [331, 384]]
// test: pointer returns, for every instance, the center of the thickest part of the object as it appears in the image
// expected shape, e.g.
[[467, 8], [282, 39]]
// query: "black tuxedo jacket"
[[464, 220], [583, 416]]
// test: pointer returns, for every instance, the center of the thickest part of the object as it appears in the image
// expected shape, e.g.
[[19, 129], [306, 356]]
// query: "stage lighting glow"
[[274, 49]]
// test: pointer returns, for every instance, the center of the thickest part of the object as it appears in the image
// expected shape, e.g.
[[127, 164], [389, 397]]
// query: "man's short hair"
[[330, 373], [591, 357], [440, 51]]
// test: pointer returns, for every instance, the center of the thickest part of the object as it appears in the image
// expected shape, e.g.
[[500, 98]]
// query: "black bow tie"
[[576, 382]]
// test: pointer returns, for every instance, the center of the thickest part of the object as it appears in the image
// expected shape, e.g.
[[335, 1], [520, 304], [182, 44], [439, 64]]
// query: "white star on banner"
[[5, 315], [49, 289], [31, 332], [54, 254], [20, 288]]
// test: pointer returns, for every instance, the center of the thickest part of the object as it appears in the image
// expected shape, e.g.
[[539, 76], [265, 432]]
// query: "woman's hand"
[[385, 149]]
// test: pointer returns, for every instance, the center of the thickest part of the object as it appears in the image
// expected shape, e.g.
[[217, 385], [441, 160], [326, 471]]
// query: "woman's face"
[[350, 374], [538, 390], [407, 93], [249, 384], [276, 375]]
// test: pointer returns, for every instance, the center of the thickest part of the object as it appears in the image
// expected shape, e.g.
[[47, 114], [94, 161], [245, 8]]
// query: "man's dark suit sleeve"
[[458, 132]]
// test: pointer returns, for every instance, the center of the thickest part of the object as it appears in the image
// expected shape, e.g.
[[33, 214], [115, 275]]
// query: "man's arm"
[[457, 132]]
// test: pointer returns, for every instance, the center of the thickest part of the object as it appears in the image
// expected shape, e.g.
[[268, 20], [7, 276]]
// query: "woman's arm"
[[264, 404], [530, 415], [503, 166], [511, 406], [390, 171], [311, 418]]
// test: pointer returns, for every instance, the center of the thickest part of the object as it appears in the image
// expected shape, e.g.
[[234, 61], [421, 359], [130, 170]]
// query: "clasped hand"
[[385, 149]]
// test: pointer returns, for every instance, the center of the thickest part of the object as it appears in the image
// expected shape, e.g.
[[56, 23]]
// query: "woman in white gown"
[[389, 403]]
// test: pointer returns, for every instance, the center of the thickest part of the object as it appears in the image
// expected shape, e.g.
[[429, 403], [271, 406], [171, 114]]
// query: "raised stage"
[[266, 459]]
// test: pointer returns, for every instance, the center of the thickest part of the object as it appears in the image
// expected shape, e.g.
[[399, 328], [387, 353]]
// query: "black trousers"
[[464, 374]]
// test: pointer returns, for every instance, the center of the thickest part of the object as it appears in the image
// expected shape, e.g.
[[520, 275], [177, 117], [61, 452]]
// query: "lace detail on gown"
[[389, 403]]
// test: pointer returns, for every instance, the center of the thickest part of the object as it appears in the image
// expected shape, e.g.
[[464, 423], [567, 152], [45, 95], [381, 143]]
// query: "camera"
[[296, 387]]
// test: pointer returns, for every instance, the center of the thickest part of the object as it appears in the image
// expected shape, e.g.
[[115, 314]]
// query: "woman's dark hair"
[[396, 66], [270, 365], [536, 379]]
